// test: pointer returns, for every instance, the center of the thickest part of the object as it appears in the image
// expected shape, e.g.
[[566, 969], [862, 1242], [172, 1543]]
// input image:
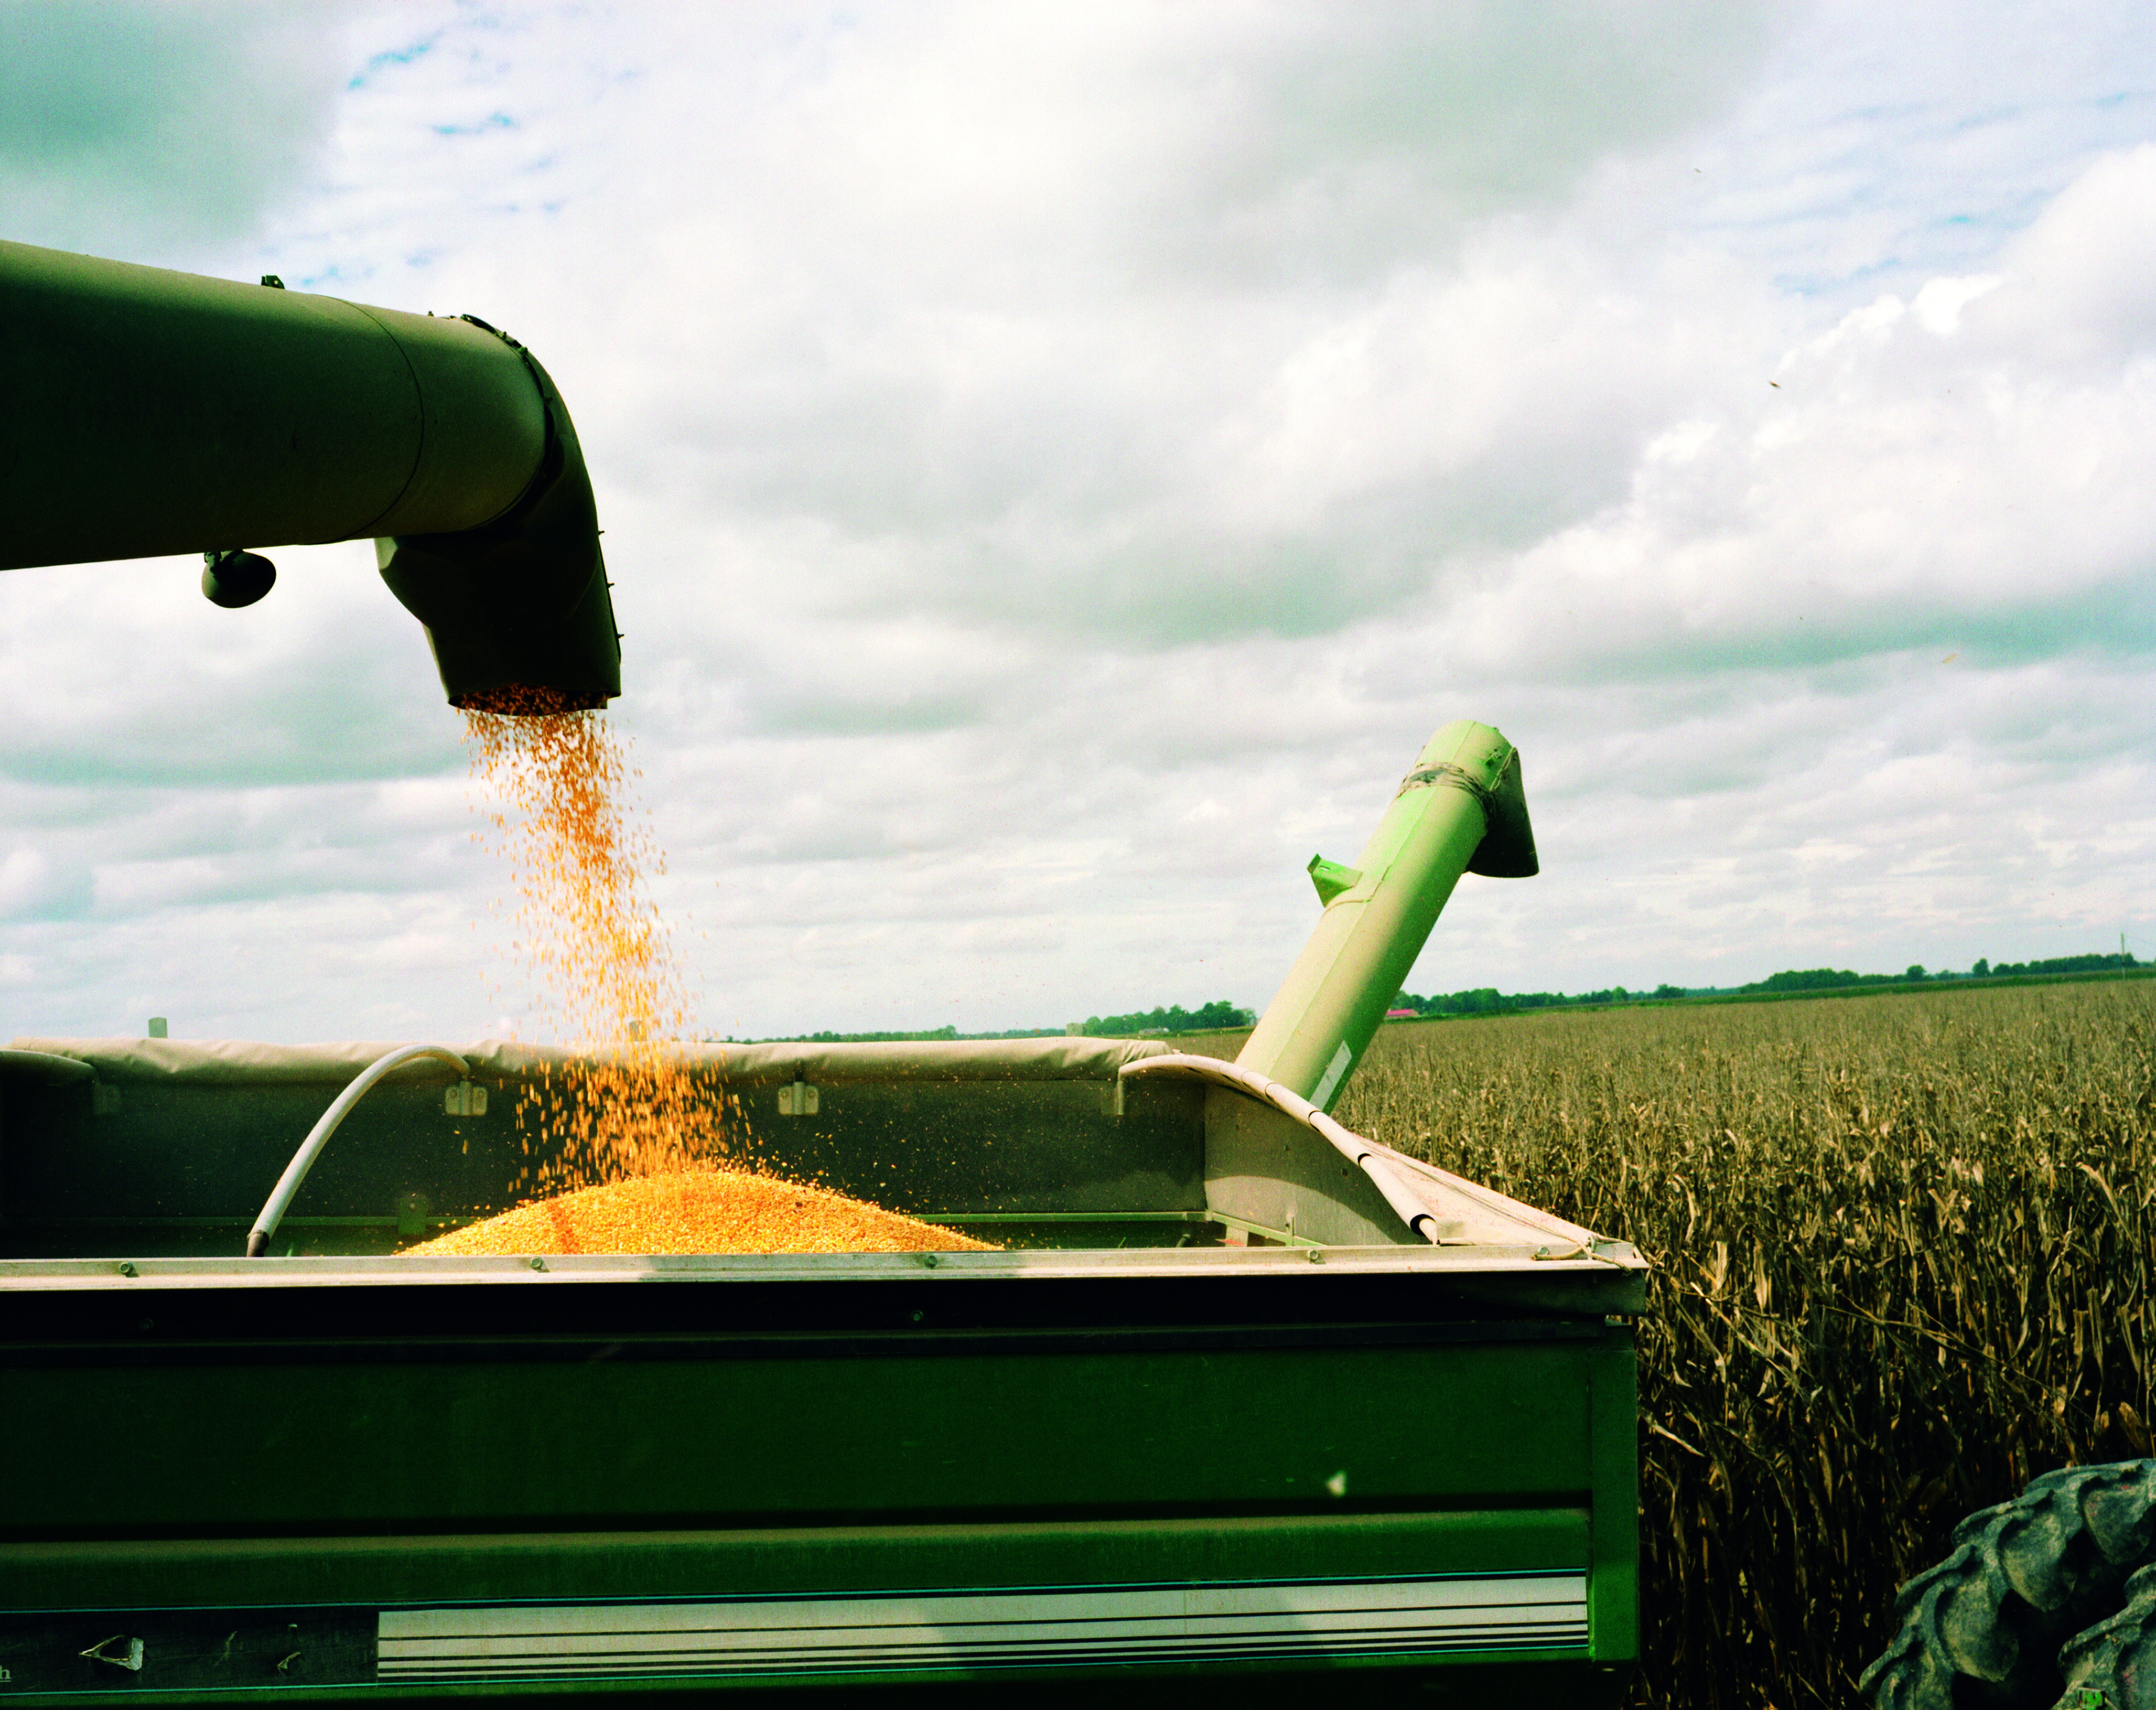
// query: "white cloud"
[[1912, 476], [25, 875], [161, 130], [1938, 307], [1059, 463]]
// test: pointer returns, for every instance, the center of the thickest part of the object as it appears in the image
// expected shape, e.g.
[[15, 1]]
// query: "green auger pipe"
[[147, 412], [1460, 809]]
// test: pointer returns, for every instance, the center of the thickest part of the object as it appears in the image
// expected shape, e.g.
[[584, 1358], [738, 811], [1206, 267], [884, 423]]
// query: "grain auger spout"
[[1460, 809], [151, 413]]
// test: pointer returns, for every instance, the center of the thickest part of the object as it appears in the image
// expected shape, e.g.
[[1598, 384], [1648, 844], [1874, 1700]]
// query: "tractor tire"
[[1983, 1630], [2115, 1660]]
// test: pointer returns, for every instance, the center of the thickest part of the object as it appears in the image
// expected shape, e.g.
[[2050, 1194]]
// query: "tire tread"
[[1984, 1628]]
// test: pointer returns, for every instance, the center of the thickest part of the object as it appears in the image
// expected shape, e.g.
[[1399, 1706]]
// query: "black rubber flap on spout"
[[517, 611], [1507, 849]]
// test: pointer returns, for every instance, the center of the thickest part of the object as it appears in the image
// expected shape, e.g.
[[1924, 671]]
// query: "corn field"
[[1903, 1250]]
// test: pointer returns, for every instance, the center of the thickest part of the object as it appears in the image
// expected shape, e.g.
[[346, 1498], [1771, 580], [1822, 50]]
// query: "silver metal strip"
[[986, 1629]]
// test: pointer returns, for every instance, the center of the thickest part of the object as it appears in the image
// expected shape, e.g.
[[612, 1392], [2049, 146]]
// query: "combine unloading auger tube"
[[151, 413]]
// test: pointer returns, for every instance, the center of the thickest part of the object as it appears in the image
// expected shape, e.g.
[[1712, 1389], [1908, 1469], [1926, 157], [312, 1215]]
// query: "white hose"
[[310, 1148]]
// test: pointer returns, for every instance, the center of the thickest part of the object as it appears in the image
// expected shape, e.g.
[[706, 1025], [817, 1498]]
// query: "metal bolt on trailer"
[[1241, 1401]]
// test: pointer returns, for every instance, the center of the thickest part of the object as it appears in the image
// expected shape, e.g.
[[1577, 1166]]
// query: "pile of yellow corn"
[[698, 1211]]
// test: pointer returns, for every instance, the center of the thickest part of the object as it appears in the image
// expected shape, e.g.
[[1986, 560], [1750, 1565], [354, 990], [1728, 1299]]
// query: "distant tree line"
[[1823, 979], [868, 1037], [1221, 1016], [937, 1032], [1487, 1000], [1216, 1017], [2055, 964]]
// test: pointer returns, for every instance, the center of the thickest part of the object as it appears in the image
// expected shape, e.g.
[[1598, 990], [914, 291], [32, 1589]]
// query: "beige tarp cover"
[[231, 1062]]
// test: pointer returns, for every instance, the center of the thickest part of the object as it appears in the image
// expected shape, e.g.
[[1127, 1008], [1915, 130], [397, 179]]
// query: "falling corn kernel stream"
[[623, 1143], [604, 977]]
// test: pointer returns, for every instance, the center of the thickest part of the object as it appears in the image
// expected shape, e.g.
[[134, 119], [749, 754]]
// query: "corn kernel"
[[698, 1211]]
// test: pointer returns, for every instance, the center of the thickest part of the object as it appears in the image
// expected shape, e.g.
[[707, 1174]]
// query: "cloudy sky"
[[1059, 462]]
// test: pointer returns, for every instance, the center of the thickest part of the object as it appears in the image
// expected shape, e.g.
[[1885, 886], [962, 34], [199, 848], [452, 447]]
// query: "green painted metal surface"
[[274, 1465], [1460, 809], [493, 1441], [419, 1568], [176, 1152], [363, 1573], [151, 413], [330, 1453]]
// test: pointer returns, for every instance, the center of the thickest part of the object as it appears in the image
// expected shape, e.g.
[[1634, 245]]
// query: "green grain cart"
[[1244, 1401]]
